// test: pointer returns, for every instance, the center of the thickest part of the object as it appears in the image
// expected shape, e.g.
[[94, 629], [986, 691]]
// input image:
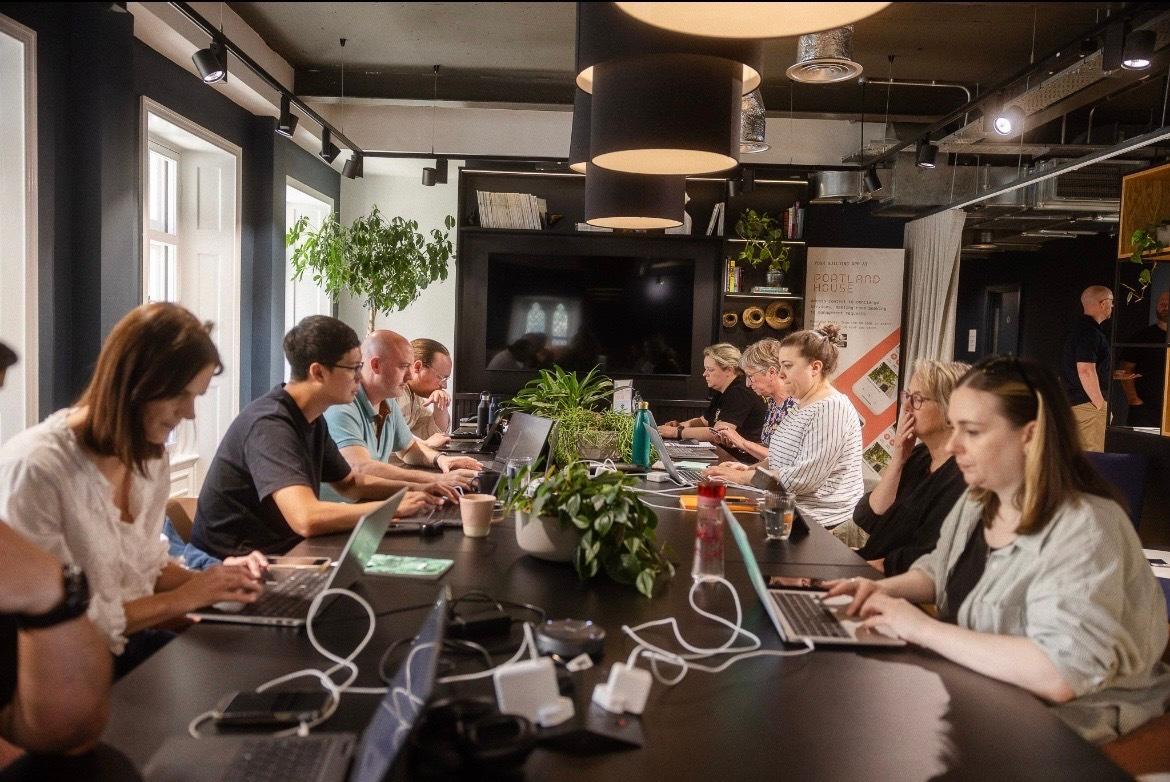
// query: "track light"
[[1009, 121], [211, 62], [437, 175], [1139, 50], [287, 125], [872, 181], [329, 150], [353, 166], [925, 153]]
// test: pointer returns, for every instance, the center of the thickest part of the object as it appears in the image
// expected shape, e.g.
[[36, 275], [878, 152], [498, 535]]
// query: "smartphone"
[[284, 707], [800, 583], [310, 563]]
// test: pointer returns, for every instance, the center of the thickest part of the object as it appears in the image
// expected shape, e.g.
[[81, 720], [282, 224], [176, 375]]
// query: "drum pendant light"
[[605, 33], [749, 20], [579, 140], [666, 114], [617, 200]]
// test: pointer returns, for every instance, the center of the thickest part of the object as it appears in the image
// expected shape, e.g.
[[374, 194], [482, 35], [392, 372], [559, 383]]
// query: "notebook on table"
[[320, 757], [799, 614]]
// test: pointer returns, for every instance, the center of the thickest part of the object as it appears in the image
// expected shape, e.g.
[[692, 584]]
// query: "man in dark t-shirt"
[[1145, 392], [1084, 366], [262, 490]]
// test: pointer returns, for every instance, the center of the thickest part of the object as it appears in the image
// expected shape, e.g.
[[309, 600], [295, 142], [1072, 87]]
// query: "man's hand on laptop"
[[416, 502], [461, 478], [449, 463], [255, 563], [437, 440], [222, 583], [441, 492]]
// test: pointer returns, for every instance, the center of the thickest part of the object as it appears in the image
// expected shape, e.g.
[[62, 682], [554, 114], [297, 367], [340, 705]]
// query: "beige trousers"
[[1091, 424]]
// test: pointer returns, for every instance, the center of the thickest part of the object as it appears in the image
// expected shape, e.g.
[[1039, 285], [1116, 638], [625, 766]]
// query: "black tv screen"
[[630, 316]]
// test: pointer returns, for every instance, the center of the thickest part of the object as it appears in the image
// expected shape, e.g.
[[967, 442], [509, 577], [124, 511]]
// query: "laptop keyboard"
[[693, 476], [279, 760], [289, 596], [808, 616], [682, 452]]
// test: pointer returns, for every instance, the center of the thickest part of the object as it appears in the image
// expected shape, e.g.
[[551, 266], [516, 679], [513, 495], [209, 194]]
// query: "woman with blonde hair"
[[760, 363], [732, 403], [815, 453]]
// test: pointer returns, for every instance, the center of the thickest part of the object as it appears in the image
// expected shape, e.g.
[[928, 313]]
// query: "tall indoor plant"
[[763, 243], [386, 263]]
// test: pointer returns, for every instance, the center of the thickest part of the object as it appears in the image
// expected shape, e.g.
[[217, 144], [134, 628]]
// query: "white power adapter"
[[657, 477], [529, 688], [626, 691]]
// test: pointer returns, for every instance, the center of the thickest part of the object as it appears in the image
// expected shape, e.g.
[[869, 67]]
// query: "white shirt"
[[816, 453], [54, 494]]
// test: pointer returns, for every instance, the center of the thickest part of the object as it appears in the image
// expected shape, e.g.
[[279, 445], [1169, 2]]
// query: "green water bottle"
[[641, 455]]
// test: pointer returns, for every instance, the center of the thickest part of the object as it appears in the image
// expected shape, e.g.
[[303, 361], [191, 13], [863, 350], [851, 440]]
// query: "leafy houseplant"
[[764, 241], [616, 528], [555, 391], [1144, 241], [387, 263]]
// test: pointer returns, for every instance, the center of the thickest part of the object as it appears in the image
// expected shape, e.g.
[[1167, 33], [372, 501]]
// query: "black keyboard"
[[280, 760], [808, 616], [289, 596]]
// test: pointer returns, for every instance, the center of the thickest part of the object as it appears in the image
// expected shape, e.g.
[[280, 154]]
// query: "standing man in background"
[[1084, 366], [424, 400], [1144, 392]]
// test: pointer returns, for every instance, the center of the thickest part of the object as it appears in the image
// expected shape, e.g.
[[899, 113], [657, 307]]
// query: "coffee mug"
[[476, 512]]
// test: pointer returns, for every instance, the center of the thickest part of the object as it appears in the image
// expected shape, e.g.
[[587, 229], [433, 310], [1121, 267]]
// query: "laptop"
[[285, 603], [800, 614], [681, 476], [319, 757], [471, 442]]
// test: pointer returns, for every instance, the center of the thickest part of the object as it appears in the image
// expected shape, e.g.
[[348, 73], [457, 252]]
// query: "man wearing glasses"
[[262, 489], [424, 400], [1084, 366]]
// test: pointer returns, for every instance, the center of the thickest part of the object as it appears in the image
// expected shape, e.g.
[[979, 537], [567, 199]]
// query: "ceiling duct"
[[825, 57], [753, 123], [1095, 188], [835, 187]]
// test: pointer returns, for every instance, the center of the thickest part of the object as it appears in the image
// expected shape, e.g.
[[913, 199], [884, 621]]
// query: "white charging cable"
[[527, 645], [683, 660]]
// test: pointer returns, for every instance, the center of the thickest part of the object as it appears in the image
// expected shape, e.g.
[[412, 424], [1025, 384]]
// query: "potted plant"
[[387, 263], [763, 243], [598, 523], [1145, 242], [554, 391]]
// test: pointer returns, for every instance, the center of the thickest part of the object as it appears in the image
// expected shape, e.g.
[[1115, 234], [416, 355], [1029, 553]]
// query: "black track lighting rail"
[[242, 56]]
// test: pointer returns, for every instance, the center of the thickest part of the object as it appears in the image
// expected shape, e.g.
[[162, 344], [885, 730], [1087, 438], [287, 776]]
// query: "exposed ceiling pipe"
[[932, 83]]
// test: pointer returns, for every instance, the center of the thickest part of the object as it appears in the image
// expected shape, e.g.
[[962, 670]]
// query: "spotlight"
[[353, 166], [1139, 49], [211, 62], [437, 175], [873, 182], [329, 150], [1008, 121], [288, 121], [925, 153]]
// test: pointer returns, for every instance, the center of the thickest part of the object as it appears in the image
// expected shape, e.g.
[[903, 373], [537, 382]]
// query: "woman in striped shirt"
[[816, 451]]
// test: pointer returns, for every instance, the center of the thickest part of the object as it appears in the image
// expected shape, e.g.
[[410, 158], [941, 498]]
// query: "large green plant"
[[386, 263], [579, 428], [617, 528], [555, 391], [763, 241]]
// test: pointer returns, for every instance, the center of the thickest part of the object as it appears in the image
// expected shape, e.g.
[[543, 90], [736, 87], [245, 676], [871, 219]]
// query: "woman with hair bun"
[[815, 453]]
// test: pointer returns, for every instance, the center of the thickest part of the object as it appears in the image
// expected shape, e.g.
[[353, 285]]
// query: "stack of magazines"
[[511, 210]]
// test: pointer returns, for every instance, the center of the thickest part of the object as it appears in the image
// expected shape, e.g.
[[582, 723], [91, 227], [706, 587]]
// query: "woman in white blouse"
[[90, 483], [1038, 576], [815, 452]]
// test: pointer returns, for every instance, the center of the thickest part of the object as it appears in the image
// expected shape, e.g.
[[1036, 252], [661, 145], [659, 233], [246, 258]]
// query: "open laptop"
[[799, 614], [472, 443], [681, 476], [320, 757], [285, 603]]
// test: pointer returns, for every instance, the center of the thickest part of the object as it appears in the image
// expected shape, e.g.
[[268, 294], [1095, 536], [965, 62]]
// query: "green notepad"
[[411, 567]]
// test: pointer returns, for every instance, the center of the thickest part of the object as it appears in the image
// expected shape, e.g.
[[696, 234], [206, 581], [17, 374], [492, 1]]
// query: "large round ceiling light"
[[633, 201], [749, 20]]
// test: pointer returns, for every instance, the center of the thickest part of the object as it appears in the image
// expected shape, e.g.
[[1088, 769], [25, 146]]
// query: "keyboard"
[[692, 476], [808, 616], [279, 760], [289, 596], [683, 452]]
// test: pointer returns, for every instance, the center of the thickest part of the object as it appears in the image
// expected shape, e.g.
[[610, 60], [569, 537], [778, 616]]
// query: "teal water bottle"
[[641, 455]]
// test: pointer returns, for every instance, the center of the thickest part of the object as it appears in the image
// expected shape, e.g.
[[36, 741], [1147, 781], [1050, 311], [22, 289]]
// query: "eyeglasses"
[[441, 378], [750, 375], [355, 368], [916, 399], [1009, 364]]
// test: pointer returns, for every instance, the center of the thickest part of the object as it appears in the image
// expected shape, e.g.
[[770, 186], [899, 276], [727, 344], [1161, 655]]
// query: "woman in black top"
[[732, 402], [920, 485]]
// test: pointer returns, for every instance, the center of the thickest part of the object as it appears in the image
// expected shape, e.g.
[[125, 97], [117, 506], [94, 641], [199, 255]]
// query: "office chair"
[[1126, 472]]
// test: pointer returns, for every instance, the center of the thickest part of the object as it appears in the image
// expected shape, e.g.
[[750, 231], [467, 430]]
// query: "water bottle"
[[641, 449], [481, 414], [709, 529], [493, 411]]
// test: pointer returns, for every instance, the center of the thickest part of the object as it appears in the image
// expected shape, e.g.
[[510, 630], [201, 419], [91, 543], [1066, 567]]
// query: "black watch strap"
[[74, 604]]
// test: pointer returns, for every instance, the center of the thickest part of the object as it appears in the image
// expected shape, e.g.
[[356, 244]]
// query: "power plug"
[[626, 691]]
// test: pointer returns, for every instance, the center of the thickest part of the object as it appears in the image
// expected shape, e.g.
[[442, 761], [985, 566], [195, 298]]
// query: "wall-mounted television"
[[631, 316]]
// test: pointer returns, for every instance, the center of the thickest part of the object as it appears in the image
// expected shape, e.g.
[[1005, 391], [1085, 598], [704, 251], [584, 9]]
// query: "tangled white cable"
[[682, 660]]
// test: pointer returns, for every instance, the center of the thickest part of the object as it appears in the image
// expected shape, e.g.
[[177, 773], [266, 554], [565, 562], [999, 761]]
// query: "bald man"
[[371, 429], [1084, 366]]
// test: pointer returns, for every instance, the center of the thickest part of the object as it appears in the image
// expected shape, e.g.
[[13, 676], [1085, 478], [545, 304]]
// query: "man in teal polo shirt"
[[371, 429]]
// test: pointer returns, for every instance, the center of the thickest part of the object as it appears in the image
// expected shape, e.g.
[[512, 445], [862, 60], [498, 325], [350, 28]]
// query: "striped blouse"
[[816, 453]]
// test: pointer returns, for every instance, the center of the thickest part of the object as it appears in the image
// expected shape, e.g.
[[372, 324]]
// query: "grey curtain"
[[932, 245]]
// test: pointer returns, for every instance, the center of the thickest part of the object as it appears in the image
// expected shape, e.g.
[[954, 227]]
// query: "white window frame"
[[150, 234]]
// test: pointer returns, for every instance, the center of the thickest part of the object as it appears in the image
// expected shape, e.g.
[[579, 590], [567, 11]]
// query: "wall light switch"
[[971, 341]]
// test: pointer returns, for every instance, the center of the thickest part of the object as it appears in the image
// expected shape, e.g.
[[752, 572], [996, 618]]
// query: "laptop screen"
[[660, 446], [363, 542], [749, 557], [526, 436], [408, 693]]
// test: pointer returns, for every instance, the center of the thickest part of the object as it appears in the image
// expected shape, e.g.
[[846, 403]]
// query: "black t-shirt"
[[966, 574], [910, 527], [268, 447], [1150, 363], [7, 659], [741, 406], [1085, 343]]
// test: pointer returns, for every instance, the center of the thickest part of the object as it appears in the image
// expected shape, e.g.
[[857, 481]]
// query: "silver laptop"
[[682, 477], [320, 757], [285, 603], [799, 614]]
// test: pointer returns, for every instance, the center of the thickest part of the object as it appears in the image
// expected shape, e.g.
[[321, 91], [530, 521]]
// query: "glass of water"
[[516, 465], [778, 511]]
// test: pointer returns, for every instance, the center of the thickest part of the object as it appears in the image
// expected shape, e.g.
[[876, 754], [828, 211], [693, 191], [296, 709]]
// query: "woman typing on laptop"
[[1038, 574], [760, 363]]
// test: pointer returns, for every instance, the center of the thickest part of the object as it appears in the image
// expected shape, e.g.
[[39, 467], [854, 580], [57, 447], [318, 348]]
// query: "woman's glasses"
[[916, 399], [1009, 365]]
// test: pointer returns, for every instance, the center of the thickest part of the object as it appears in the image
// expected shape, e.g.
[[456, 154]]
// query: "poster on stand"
[[860, 289]]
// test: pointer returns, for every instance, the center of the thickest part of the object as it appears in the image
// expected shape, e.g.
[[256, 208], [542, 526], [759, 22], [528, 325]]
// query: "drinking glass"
[[778, 511]]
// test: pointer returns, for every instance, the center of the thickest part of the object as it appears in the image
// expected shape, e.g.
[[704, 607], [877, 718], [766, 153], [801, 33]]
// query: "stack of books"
[[794, 221], [770, 290], [511, 210]]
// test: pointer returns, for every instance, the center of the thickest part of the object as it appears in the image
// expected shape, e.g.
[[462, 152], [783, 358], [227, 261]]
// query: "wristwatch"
[[72, 605]]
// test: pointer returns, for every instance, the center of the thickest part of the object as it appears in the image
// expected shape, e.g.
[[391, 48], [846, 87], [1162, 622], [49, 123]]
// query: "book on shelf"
[[595, 228], [771, 290], [511, 210], [715, 222]]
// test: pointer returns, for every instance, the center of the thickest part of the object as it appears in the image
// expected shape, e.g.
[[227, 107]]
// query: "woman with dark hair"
[[90, 483], [1038, 574]]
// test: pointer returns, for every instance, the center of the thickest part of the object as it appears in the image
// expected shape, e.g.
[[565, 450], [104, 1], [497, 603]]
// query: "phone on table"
[[299, 563], [283, 707]]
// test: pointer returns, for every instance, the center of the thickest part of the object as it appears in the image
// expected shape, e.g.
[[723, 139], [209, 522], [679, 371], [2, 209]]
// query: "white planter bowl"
[[544, 537]]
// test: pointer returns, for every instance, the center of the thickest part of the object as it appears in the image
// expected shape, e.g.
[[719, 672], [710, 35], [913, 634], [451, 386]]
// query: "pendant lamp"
[[753, 124], [605, 33], [618, 200], [748, 20], [579, 141], [825, 57]]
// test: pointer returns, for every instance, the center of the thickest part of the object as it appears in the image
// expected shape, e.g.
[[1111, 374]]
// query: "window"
[[161, 271]]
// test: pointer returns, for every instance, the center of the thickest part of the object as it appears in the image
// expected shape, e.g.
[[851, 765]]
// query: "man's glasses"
[[355, 368], [916, 399]]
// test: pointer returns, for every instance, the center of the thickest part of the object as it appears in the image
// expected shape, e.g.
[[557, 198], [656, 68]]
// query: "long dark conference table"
[[833, 714]]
